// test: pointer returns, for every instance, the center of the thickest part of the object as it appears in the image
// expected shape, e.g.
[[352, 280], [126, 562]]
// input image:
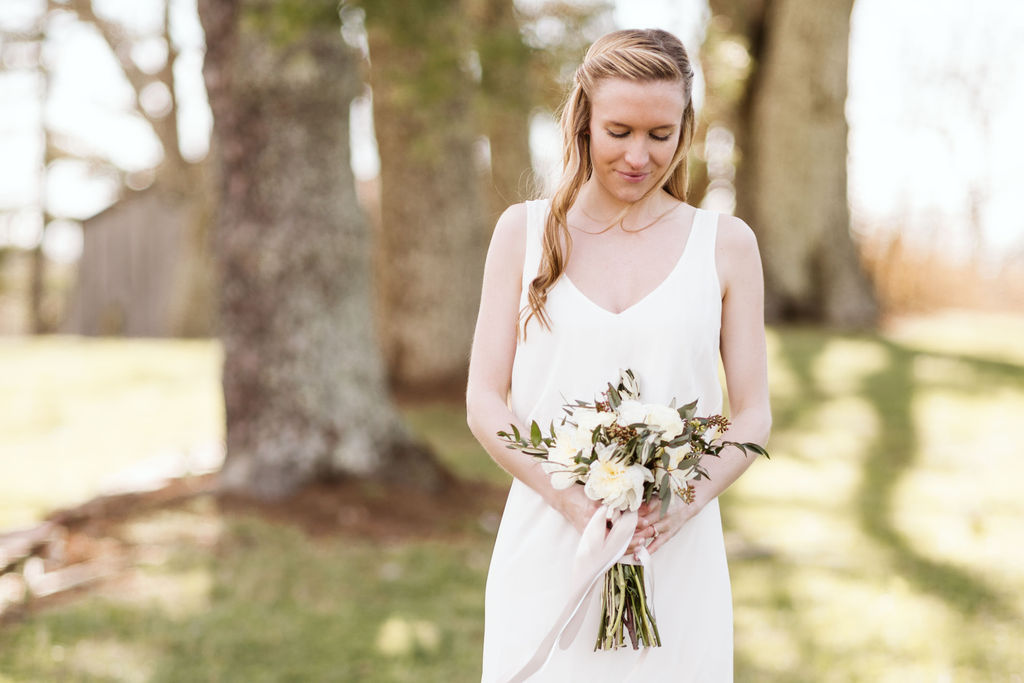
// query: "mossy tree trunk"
[[304, 384], [791, 183], [507, 95], [433, 227]]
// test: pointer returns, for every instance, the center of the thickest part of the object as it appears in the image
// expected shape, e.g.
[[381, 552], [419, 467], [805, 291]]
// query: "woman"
[[616, 271]]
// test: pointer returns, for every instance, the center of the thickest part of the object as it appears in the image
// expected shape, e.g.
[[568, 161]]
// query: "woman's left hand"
[[653, 530]]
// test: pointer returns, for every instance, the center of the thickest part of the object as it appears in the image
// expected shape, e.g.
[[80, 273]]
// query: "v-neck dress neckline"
[[695, 224]]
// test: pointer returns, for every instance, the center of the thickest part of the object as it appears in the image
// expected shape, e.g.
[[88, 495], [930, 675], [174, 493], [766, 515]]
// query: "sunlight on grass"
[[993, 336], [109, 658], [399, 637], [881, 542], [75, 411]]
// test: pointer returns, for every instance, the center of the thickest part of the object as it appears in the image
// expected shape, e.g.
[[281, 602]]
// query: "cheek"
[[665, 151], [604, 150]]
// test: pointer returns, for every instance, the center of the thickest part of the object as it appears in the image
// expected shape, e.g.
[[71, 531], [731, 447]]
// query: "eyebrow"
[[623, 125]]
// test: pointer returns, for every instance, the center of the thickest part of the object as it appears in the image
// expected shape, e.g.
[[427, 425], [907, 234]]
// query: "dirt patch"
[[367, 509], [91, 546]]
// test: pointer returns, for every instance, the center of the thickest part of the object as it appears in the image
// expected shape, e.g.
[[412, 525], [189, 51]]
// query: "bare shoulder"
[[735, 237], [507, 253], [736, 251], [510, 231]]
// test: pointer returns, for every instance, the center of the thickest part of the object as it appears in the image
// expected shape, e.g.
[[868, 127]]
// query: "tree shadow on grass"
[[890, 458], [271, 604], [890, 391]]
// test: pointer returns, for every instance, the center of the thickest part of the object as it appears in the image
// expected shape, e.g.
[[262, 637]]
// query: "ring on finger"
[[655, 532]]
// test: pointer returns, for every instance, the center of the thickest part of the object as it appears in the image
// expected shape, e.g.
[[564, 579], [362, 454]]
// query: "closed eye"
[[659, 138]]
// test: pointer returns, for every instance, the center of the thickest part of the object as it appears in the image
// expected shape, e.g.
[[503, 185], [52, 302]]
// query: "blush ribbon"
[[598, 550]]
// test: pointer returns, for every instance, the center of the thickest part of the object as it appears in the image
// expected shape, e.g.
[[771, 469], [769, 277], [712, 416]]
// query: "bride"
[[615, 270]]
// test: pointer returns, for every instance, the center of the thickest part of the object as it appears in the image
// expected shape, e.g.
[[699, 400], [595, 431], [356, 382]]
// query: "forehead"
[[636, 103]]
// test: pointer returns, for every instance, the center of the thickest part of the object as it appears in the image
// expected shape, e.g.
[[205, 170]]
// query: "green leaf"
[[535, 433], [757, 449], [613, 397], [688, 411], [515, 431]]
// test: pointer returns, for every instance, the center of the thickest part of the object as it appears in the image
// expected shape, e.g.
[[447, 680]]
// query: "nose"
[[637, 155]]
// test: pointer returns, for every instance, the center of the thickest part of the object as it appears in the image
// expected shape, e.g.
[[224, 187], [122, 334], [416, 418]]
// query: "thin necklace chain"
[[624, 229]]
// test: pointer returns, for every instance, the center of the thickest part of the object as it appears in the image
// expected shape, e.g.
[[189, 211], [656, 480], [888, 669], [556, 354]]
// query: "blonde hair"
[[635, 55]]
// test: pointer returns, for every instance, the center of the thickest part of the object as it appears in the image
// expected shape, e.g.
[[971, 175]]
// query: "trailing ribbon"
[[596, 553]]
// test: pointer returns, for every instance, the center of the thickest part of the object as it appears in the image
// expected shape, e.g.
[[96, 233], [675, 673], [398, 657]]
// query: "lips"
[[632, 177]]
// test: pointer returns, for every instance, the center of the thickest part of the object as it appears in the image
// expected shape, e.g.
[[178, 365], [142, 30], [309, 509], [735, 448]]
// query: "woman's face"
[[634, 130]]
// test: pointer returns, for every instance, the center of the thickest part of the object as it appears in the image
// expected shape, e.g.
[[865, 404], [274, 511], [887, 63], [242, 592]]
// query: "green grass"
[[880, 543], [75, 411]]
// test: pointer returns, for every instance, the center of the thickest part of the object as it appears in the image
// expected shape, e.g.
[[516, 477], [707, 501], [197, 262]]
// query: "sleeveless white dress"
[[670, 341]]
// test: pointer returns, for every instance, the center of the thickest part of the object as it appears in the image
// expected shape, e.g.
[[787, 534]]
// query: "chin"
[[624, 191], [630, 193]]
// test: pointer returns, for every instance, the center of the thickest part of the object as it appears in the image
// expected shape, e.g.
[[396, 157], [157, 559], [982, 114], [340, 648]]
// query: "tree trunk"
[[304, 385], [433, 231], [791, 183], [506, 99], [39, 321]]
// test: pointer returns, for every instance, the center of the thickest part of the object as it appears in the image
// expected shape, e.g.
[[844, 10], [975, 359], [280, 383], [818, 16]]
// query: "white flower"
[[666, 419], [561, 459], [680, 476], [589, 419], [631, 412], [676, 455], [615, 484]]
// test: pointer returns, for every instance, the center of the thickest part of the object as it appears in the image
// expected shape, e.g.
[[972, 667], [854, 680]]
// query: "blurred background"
[[240, 252]]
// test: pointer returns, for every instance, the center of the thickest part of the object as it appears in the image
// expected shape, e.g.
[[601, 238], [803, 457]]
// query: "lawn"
[[880, 543]]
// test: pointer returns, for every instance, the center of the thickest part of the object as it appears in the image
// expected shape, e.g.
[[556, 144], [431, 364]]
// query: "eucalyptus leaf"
[[613, 397], [688, 411]]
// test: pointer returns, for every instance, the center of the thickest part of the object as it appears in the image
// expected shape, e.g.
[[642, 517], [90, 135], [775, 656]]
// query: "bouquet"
[[626, 453]]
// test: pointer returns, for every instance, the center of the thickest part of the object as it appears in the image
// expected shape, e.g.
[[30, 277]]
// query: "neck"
[[598, 205]]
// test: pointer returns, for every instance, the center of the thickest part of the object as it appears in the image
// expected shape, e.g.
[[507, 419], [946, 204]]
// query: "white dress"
[[670, 341]]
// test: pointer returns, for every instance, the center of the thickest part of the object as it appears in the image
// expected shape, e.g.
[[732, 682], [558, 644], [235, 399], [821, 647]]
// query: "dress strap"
[[704, 236]]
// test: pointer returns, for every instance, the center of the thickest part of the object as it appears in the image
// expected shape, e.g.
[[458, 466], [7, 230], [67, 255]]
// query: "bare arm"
[[745, 358], [490, 367]]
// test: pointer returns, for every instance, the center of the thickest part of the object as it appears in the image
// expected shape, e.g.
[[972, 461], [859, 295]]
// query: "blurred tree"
[[433, 234], [454, 84], [507, 94], [304, 384], [791, 131], [31, 42], [145, 267]]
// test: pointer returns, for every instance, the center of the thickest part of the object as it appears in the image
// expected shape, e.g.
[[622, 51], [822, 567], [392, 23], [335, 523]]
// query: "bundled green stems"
[[625, 610]]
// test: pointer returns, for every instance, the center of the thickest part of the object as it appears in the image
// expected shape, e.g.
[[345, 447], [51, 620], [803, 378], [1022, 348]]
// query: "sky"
[[933, 107]]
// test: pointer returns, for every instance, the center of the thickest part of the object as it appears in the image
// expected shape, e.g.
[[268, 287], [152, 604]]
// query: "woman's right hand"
[[573, 504]]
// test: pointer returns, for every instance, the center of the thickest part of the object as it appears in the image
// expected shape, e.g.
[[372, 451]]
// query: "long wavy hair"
[[635, 55]]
